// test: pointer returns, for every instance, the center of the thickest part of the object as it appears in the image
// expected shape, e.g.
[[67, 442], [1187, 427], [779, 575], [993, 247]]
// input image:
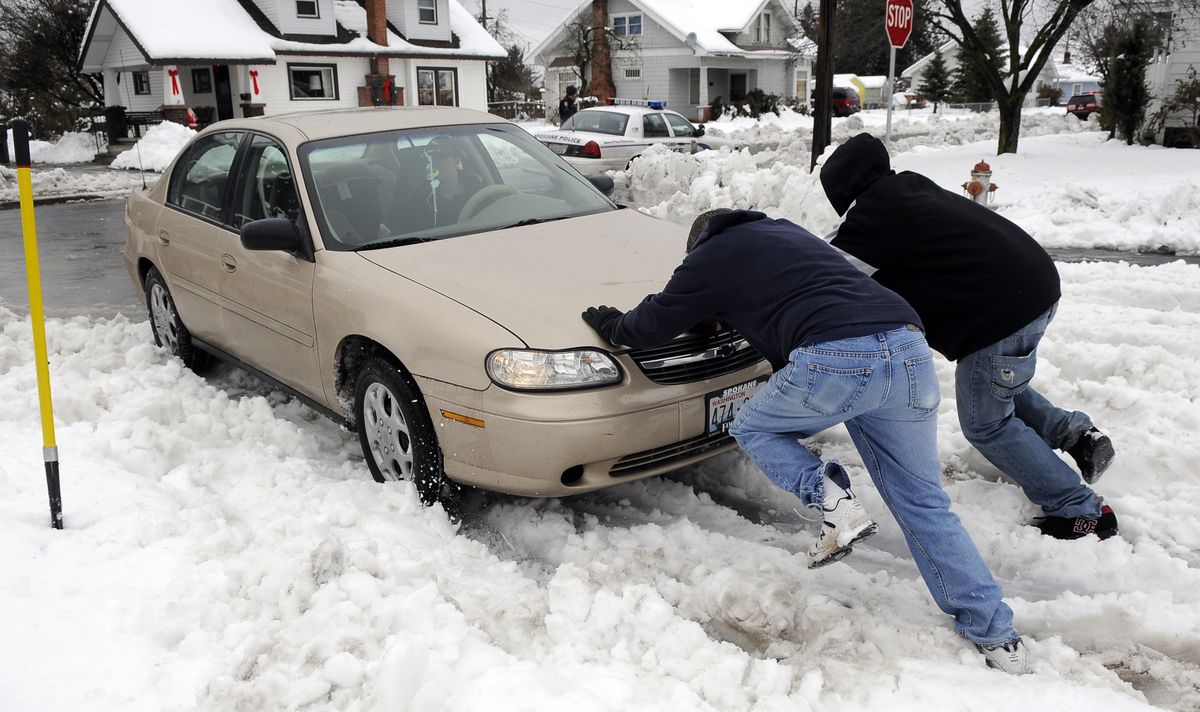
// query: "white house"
[[1181, 52], [915, 72], [686, 52], [232, 58]]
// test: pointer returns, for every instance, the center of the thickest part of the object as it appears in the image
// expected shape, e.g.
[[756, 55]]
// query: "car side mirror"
[[604, 184], [700, 130], [271, 234]]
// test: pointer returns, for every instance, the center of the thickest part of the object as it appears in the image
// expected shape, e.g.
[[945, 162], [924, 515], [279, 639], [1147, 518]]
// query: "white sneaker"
[[844, 525], [1011, 657]]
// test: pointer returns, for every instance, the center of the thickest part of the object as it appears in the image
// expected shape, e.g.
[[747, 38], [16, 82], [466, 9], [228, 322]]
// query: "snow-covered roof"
[[803, 45], [876, 81], [844, 80], [1076, 73], [697, 23], [179, 31]]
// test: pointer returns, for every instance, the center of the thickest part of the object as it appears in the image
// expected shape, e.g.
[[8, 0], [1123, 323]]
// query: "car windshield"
[[605, 122], [396, 187]]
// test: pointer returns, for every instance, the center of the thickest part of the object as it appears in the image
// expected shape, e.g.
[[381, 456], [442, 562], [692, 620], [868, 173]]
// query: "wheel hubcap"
[[387, 433], [162, 314]]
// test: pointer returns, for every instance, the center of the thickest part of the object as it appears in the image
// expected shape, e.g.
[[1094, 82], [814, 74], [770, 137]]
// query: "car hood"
[[536, 280]]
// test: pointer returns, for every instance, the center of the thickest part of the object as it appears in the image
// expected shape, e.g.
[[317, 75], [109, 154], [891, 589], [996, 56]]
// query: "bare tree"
[[1019, 72], [39, 61], [583, 44]]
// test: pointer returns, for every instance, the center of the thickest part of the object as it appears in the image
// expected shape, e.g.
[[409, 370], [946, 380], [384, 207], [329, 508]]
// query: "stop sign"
[[898, 19]]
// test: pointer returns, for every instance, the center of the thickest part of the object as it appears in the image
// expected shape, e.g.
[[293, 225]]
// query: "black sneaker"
[[1079, 527], [1093, 453]]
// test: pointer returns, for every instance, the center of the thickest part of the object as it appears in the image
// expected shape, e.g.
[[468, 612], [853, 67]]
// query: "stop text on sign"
[[898, 20]]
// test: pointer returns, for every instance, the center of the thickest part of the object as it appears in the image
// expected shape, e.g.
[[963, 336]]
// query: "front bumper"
[[553, 444]]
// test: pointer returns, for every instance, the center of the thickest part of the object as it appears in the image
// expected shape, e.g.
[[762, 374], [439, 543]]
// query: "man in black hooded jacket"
[[986, 291]]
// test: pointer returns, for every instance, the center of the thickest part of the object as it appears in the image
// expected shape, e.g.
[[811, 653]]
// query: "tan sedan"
[[418, 275]]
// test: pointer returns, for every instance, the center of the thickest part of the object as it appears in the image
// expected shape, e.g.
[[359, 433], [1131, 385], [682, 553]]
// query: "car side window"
[[679, 125], [202, 183], [653, 126], [268, 189]]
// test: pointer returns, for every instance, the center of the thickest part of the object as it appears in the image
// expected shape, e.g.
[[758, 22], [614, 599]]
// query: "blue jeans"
[[884, 388], [1016, 428]]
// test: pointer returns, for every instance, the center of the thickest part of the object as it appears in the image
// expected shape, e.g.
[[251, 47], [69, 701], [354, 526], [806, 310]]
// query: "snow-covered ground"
[[226, 549]]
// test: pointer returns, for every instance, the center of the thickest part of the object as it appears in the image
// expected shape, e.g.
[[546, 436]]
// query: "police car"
[[608, 138]]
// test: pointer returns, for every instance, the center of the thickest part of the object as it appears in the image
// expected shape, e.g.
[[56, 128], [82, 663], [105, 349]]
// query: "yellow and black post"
[[33, 274]]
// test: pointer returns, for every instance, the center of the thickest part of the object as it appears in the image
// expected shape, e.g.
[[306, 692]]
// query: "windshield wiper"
[[534, 221], [398, 242]]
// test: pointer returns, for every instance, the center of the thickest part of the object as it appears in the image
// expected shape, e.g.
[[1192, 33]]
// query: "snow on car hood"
[[536, 280]]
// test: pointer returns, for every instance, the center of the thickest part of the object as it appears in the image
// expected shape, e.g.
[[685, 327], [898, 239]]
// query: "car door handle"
[[228, 263], [164, 238]]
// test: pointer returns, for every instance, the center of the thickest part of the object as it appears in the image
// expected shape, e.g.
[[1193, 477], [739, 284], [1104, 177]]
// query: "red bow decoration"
[[254, 80], [174, 74]]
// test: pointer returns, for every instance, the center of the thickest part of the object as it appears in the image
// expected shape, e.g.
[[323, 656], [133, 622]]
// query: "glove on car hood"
[[536, 280]]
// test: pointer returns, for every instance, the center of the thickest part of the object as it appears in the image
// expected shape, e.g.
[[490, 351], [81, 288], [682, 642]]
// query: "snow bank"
[[1067, 186], [54, 182], [69, 148], [226, 549], [156, 150]]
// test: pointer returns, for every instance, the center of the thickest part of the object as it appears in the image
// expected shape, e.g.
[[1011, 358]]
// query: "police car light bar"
[[638, 102]]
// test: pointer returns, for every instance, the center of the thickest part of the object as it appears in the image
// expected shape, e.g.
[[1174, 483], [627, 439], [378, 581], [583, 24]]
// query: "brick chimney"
[[380, 84]]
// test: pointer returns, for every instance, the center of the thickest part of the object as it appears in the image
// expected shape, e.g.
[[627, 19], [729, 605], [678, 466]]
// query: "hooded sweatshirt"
[[974, 277], [773, 281]]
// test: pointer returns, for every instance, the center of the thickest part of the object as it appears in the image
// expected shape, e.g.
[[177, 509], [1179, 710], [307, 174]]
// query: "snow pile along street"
[[1072, 189], [69, 148], [155, 150], [226, 549]]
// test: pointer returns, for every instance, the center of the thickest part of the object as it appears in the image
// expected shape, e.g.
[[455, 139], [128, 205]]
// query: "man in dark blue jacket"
[[986, 291], [845, 350]]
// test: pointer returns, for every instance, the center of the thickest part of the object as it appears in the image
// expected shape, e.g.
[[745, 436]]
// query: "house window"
[[201, 81], [141, 82], [307, 8], [313, 82], [762, 31], [627, 25], [633, 72], [427, 12], [1076, 89], [437, 87]]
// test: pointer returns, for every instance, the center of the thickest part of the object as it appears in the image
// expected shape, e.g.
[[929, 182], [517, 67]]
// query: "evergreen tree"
[[1126, 94], [808, 22], [936, 82], [976, 85]]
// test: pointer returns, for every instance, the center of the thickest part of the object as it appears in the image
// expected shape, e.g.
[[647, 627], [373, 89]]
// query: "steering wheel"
[[484, 198]]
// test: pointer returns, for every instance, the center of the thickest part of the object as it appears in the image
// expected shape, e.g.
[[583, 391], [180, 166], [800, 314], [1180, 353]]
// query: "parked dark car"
[[1084, 105], [844, 101]]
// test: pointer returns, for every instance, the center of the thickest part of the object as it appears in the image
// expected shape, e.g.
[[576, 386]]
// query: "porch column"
[[112, 91], [703, 90]]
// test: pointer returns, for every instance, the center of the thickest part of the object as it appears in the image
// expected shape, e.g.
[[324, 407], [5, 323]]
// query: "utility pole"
[[822, 106]]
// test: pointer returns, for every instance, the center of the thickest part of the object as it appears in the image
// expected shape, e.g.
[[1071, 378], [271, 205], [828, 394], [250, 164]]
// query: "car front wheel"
[[169, 331], [394, 429]]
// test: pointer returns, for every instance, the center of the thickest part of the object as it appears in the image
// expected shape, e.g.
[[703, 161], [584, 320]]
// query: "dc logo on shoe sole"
[[1084, 525]]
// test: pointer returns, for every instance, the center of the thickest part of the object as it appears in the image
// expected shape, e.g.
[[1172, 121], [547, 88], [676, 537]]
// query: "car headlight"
[[549, 370]]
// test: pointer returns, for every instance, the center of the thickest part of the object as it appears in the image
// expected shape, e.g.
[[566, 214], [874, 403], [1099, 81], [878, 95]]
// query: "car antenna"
[[137, 146]]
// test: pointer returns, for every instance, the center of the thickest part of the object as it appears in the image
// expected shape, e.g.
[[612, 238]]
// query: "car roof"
[[626, 109], [347, 122]]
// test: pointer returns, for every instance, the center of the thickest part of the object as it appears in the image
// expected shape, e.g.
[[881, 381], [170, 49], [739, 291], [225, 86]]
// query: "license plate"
[[559, 148], [723, 405]]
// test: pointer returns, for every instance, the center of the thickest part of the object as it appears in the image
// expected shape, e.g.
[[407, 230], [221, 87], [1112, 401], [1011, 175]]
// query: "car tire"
[[169, 331], [395, 431]]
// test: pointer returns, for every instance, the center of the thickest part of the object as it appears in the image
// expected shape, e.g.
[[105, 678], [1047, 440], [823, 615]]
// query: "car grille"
[[696, 358], [640, 462]]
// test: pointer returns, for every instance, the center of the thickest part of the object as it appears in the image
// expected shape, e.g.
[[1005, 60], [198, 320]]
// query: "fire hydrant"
[[980, 187]]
